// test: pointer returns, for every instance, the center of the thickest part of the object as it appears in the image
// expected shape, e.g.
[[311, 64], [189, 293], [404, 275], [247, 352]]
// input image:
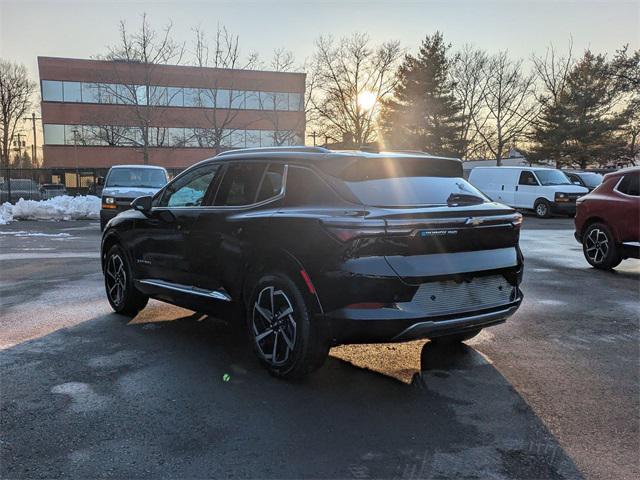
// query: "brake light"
[[347, 231]]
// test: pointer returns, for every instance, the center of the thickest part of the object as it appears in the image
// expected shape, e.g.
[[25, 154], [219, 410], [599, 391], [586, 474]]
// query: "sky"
[[84, 28]]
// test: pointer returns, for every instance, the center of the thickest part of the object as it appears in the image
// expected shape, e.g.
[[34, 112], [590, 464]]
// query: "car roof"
[[139, 166], [622, 171], [315, 155], [505, 167]]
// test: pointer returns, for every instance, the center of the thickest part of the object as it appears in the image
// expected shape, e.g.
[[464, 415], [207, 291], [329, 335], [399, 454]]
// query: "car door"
[[165, 233], [527, 190], [628, 217], [234, 224]]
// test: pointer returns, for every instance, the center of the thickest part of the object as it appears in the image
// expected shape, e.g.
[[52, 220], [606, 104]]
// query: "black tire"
[[457, 337], [599, 247], [291, 346], [542, 208], [122, 294]]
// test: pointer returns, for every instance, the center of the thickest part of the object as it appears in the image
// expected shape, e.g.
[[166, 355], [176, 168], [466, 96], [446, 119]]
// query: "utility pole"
[[313, 135], [33, 119]]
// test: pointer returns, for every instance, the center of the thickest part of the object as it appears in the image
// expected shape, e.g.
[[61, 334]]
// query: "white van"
[[543, 190]]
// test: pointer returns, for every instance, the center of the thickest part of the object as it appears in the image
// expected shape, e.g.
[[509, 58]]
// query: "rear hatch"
[[426, 220]]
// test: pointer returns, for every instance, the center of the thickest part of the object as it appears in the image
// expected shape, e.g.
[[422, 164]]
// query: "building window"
[[175, 96], [237, 99], [53, 134], [267, 138], [295, 102], [51, 91], [73, 134], [90, 93], [253, 138], [176, 137], [222, 98], [72, 91], [252, 101]]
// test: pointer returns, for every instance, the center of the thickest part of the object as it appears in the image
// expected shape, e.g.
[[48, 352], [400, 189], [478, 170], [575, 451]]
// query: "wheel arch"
[[263, 261], [108, 241]]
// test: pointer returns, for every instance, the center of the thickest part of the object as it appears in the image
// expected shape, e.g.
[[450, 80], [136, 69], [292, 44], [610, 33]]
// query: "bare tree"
[[272, 106], [16, 94], [509, 105], [552, 72], [220, 104], [469, 78], [148, 48], [351, 78]]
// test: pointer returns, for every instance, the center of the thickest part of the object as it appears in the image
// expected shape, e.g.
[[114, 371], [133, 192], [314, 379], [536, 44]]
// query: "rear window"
[[406, 182]]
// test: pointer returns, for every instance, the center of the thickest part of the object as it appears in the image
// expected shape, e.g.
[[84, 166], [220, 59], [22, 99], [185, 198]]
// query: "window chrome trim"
[[279, 196]]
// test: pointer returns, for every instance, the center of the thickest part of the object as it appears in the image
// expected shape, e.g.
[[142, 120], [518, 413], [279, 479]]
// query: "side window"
[[630, 184], [189, 190], [271, 185], [527, 178], [305, 187], [240, 184]]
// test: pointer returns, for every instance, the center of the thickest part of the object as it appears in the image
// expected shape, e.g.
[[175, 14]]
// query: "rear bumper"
[[355, 326]]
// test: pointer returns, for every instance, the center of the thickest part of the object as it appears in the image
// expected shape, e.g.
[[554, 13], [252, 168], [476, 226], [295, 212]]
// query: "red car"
[[608, 220]]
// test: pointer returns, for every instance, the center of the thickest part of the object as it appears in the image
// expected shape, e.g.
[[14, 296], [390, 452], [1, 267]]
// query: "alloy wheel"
[[273, 325], [116, 277], [597, 245]]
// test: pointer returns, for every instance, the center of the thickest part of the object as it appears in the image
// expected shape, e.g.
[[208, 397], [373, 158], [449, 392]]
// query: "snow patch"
[[58, 208]]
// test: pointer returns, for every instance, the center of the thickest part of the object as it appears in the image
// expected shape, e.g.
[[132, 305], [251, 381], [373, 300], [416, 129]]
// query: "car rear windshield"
[[136, 177], [408, 182], [591, 179]]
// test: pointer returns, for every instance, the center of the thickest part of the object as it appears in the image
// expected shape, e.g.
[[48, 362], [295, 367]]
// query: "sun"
[[367, 100]]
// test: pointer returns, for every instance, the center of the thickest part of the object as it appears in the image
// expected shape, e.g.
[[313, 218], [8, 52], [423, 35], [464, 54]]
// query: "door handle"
[[178, 227]]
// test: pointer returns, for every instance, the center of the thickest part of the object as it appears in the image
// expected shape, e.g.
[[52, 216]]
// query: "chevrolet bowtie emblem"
[[474, 221]]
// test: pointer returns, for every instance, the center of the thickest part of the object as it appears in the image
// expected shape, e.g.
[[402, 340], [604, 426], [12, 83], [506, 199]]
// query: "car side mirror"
[[100, 181], [143, 204]]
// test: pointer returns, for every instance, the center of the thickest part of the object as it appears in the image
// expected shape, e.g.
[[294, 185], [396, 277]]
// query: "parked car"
[[20, 188], [50, 190], [608, 220], [589, 180], [544, 190], [320, 248], [124, 183]]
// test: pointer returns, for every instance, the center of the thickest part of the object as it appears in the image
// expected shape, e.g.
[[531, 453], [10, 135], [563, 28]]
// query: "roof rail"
[[300, 149]]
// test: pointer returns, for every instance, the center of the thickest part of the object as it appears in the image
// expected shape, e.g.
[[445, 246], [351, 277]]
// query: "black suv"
[[318, 248]]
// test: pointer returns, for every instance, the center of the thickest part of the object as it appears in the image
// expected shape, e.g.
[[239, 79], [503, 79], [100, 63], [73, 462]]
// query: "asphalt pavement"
[[85, 393]]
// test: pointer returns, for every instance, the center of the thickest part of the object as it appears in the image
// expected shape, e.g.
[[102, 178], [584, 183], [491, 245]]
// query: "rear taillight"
[[347, 231]]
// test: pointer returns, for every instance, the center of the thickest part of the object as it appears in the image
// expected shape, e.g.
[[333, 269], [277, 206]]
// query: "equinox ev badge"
[[474, 221], [437, 233]]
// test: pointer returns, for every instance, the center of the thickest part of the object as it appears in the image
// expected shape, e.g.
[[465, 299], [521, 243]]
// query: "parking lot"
[[553, 393]]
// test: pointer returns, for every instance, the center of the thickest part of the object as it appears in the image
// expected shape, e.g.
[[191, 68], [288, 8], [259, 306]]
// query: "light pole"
[[75, 154]]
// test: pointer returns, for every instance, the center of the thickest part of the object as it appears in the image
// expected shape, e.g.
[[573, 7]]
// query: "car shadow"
[[186, 397]]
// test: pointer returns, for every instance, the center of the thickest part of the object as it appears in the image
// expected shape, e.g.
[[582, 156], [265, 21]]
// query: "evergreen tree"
[[578, 128], [424, 114]]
